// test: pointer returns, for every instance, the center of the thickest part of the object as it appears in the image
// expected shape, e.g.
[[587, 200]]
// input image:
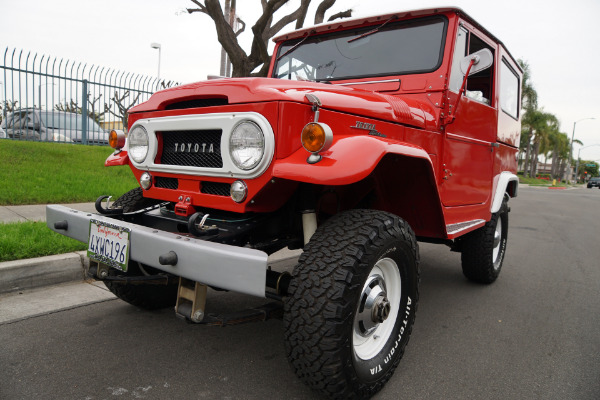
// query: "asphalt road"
[[534, 334]]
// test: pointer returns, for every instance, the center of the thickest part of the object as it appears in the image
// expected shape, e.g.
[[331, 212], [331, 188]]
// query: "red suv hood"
[[333, 97]]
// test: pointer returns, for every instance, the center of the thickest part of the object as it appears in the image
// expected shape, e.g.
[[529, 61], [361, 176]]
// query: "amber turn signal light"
[[116, 139], [316, 137]]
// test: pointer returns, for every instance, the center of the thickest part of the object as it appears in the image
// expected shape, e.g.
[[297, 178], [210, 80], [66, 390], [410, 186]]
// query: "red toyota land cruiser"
[[369, 135]]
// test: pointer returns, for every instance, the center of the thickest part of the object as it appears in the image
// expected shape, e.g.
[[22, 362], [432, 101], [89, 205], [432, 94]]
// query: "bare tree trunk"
[[533, 168], [224, 56], [562, 168], [554, 168], [265, 28], [231, 17], [527, 153]]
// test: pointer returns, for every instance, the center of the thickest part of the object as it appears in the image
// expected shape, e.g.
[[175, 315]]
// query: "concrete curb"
[[42, 271], [52, 270]]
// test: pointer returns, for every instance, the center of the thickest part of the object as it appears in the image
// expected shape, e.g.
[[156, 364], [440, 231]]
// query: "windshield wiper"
[[372, 31], [294, 47]]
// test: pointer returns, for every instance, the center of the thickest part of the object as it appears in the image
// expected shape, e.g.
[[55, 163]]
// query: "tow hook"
[[196, 225], [107, 210]]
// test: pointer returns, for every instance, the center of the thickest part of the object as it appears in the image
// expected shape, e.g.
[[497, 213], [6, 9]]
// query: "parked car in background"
[[52, 126], [593, 182]]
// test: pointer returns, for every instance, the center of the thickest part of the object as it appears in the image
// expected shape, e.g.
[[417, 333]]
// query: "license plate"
[[109, 244]]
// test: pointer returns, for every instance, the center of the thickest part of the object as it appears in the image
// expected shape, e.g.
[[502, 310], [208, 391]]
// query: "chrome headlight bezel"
[[138, 144], [246, 145]]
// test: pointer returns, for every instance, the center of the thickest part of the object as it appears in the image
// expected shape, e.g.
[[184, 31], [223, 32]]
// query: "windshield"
[[51, 120], [394, 49], [19, 120], [67, 121]]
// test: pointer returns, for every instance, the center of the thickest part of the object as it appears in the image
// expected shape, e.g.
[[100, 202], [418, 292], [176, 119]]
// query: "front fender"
[[349, 160], [117, 158]]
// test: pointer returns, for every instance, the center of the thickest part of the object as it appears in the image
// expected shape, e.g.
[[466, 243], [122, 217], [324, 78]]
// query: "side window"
[[480, 85], [509, 90]]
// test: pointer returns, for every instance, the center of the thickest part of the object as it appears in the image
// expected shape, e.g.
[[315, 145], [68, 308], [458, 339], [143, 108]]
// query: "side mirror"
[[483, 60]]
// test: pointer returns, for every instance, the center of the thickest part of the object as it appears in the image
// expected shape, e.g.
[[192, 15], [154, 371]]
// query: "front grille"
[[216, 188], [166, 183], [201, 148]]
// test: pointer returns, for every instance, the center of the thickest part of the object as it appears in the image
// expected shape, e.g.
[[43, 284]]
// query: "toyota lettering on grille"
[[194, 148]]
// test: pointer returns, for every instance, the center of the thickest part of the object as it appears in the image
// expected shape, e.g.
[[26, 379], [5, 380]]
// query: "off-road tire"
[[145, 296], [133, 200], [478, 261], [327, 287]]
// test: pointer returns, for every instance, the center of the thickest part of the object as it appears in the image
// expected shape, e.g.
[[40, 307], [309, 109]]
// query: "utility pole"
[[569, 165], [230, 7]]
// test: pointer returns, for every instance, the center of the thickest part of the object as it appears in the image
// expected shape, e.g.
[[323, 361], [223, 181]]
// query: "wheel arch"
[[508, 183], [400, 178]]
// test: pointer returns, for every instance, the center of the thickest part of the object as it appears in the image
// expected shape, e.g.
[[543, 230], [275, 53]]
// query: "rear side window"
[[509, 90]]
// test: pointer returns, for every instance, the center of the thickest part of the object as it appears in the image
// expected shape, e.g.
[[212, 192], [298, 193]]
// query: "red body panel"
[[432, 170]]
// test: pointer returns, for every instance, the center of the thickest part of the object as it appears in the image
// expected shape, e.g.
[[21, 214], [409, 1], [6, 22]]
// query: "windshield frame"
[[354, 33]]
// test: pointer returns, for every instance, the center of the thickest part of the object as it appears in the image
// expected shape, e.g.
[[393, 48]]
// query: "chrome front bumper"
[[228, 267]]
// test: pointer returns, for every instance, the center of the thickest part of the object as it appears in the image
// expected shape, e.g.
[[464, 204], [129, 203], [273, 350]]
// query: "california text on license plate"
[[109, 244]]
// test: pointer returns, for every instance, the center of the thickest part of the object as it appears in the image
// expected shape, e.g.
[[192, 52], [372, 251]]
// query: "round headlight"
[[137, 142], [246, 145]]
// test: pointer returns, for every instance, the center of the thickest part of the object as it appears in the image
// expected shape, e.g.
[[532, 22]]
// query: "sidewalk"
[[39, 272], [35, 212]]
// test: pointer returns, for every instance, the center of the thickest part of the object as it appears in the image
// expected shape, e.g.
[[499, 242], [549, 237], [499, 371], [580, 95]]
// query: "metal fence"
[[44, 98]]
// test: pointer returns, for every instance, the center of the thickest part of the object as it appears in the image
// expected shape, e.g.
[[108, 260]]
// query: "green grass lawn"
[[539, 182], [41, 173], [33, 239]]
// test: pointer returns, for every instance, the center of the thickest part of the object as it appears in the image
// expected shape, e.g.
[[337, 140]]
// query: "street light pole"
[[571, 149], [157, 46]]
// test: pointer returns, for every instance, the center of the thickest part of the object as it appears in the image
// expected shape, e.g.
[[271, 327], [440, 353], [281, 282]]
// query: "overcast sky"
[[560, 40]]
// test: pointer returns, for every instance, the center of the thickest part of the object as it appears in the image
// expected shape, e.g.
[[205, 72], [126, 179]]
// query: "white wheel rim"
[[370, 336], [497, 241]]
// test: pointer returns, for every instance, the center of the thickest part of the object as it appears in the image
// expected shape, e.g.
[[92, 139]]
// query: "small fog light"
[[146, 181], [238, 191]]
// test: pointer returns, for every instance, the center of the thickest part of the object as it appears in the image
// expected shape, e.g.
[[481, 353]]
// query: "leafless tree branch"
[[264, 29], [341, 14], [322, 9]]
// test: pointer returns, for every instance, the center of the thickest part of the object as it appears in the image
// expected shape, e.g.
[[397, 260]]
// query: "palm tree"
[[529, 104], [541, 124], [529, 97]]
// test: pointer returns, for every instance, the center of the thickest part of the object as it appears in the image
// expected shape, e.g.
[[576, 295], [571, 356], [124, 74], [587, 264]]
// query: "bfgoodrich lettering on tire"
[[352, 303]]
